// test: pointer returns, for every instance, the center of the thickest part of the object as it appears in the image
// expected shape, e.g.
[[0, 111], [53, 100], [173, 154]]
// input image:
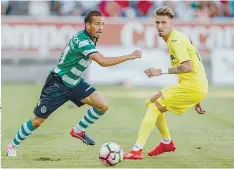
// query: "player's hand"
[[199, 109], [135, 54], [151, 72]]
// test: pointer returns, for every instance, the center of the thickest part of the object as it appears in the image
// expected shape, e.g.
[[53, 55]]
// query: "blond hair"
[[165, 11]]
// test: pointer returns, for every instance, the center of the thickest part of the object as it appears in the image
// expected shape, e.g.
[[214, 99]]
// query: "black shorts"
[[55, 93]]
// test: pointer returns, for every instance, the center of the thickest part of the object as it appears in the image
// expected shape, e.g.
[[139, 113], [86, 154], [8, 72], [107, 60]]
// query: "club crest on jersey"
[[172, 57]]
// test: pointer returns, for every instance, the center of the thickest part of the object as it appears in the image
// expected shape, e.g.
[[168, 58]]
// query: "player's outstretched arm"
[[110, 61], [184, 67]]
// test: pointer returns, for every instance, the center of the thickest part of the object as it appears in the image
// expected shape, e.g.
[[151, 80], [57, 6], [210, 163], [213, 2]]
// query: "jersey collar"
[[88, 34], [170, 35]]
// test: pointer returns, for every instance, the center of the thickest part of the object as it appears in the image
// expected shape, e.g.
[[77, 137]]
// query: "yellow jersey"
[[181, 49]]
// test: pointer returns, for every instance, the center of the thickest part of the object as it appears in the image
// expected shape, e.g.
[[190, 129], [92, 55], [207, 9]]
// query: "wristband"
[[164, 71]]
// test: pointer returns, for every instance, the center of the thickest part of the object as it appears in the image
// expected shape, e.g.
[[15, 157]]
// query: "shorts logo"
[[43, 109], [88, 88]]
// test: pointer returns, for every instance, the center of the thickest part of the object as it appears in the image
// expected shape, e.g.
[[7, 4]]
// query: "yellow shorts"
[[178, 98]]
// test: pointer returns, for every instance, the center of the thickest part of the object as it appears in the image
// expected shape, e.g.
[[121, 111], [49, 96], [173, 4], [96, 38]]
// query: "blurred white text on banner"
[[223, 66], [132, 71]]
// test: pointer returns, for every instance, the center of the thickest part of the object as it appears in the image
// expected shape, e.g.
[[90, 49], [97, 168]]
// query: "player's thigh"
[[53, 95], [96, 100], [84, 93], [154, 99], [156, 96], [178, 99]]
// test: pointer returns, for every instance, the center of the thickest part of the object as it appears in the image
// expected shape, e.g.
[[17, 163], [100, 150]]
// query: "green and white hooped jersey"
[[75, 58]]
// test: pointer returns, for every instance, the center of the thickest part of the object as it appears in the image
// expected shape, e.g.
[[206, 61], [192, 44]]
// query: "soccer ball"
[[110, 154]]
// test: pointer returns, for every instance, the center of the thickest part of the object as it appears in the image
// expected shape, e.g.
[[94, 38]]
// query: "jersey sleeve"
[[180, 50], [83, 46]]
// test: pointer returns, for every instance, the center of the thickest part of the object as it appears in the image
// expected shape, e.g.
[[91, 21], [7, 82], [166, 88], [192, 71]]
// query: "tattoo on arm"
[[179, 69]]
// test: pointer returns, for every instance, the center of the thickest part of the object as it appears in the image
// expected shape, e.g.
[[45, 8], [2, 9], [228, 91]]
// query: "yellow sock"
[[161, 124], [148, 123]]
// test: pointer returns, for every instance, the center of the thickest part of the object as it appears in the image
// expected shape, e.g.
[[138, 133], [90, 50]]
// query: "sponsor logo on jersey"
[[172, 57]]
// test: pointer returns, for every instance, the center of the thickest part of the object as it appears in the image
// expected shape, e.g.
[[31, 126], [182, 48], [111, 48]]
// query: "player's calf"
[[99, 107], [24, 131], [91, 116], [37, 121]]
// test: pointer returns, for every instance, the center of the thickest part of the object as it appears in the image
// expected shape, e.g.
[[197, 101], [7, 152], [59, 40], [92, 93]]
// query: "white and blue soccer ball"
[[110, 154]]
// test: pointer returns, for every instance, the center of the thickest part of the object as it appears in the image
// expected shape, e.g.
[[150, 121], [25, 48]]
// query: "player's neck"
[[93, 38], [167, 36]]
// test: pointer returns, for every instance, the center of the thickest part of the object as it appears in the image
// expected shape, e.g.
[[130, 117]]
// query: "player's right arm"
[[182, 56], [184, 67], [110, 61]]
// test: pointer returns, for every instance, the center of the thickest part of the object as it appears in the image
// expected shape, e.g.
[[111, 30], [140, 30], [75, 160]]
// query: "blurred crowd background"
[[184, 10], [34, 34]]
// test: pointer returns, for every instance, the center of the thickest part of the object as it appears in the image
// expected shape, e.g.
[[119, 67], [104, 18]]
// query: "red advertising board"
[[48, 37]]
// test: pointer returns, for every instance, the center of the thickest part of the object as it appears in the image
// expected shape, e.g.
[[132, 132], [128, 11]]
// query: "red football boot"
[[133, 155], [162, 148], [83, 137]]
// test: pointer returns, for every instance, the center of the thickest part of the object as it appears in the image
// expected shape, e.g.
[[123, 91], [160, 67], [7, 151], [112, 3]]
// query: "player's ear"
[[87, 25], [171, 24]]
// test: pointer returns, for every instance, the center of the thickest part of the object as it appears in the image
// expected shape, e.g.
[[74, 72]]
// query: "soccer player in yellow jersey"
[[190, 91]]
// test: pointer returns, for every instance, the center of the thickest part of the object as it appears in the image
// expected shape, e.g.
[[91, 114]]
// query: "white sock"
[[166, 140], [77, 129], [137, 147]]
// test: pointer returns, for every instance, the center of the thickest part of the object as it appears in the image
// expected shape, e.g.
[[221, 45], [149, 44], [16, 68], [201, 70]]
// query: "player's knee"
[[102, 107], [37, 121], [160, 107]]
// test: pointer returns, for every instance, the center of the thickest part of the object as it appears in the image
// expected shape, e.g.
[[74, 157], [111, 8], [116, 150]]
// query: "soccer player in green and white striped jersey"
[[65, 83]]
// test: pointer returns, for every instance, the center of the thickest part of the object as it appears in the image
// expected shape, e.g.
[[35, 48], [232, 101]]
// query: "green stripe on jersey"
[[74, 59]]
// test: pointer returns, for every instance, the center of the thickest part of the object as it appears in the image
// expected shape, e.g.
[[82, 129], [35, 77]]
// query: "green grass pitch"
[[203, 141]]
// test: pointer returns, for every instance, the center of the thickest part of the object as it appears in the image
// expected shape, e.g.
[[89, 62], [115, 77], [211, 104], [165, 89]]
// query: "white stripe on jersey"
[[83, 43], [76, 72], [86, 52], [70, 80]]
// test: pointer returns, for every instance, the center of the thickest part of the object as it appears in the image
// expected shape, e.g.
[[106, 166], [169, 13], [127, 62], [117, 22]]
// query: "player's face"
[[163, 25], [96, 26]]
